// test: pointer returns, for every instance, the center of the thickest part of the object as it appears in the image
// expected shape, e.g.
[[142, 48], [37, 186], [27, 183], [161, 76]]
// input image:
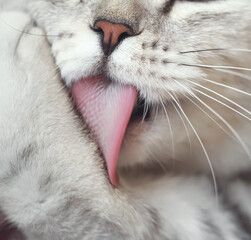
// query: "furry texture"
[[52, 181]]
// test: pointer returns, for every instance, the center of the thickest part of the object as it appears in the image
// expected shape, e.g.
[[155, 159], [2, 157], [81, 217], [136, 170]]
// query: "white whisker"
[[244, 146], [217, 49], [170, 127], [202, 145], [146, 107], [185, 126], [215, 67], [222, 128], [229, 87], [244, 76], [27, 32], [156, 112], [225, 105], [160, 164], [227, 99]]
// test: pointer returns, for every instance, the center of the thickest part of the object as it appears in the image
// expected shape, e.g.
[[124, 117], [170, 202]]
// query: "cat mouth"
[[108, 108], [140, 111]]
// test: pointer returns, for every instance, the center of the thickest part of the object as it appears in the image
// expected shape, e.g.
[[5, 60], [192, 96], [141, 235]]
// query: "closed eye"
[[197, 0], [169, 4]]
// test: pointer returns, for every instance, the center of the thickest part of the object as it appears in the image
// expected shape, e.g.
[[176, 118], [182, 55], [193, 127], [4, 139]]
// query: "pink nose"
[[114, 33]]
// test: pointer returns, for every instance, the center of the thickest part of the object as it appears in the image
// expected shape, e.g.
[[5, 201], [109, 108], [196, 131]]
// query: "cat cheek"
[[78, 57]]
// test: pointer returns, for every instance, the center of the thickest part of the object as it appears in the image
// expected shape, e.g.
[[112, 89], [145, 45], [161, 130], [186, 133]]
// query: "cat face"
[[160, 59]]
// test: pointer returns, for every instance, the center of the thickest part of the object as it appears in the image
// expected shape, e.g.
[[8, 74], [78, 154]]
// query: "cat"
[[178, 71]]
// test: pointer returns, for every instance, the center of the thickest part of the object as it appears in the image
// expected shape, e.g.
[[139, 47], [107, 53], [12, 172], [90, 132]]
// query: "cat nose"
[[113, 34]]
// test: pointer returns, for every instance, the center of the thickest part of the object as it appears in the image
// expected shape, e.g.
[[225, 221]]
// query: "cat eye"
[[169, 4], [197, 0]]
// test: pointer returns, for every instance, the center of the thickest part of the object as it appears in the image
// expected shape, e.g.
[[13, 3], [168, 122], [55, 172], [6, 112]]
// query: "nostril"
[[123, 36], [97, 30], [112, 34]]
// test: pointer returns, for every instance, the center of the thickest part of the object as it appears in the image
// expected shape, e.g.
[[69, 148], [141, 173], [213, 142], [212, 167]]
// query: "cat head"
[[168, 51]]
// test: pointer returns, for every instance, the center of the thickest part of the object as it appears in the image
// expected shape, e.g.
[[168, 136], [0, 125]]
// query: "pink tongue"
[[106, 108]]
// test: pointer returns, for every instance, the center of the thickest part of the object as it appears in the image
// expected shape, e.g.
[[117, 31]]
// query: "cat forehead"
[[186, 6], [152, 3]]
